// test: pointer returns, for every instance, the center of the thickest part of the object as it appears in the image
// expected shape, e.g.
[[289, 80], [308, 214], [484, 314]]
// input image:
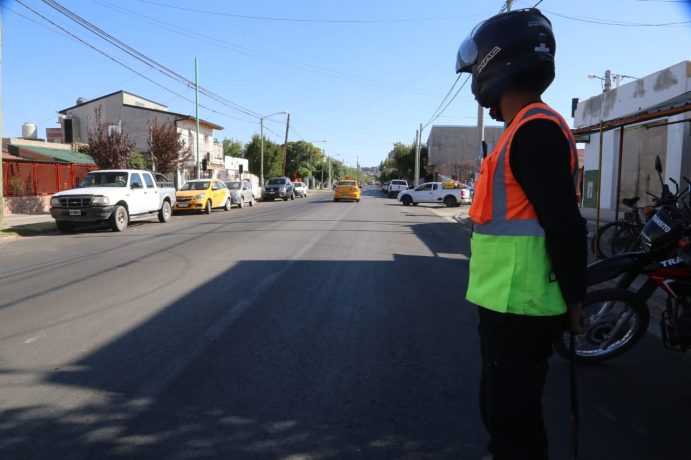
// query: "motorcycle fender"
[[610, 268]]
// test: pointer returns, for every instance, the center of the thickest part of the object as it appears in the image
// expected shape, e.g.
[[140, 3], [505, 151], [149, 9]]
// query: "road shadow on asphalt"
[[231, 370]]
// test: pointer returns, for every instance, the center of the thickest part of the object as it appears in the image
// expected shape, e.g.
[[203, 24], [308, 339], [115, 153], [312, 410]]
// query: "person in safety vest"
[[529, 254]]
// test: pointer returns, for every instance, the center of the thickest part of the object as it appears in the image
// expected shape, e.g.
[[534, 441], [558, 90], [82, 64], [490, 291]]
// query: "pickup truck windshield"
[[200, 185], [110, 179]]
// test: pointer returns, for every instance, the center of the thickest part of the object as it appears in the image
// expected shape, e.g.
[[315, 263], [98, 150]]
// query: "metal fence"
[[26, 178]]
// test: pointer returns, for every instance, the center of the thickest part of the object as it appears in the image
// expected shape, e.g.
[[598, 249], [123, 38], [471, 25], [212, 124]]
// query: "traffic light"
[[240, 167], [204, 164]]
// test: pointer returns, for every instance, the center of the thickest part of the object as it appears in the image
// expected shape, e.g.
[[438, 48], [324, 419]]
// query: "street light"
[[261, 135], [322, 168]]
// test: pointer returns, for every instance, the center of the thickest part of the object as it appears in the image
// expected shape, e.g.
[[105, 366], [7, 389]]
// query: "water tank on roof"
[[81, 100], [29, 131]]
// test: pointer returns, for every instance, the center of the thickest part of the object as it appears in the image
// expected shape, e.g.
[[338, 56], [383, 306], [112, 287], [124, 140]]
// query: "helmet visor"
[[467, 52]]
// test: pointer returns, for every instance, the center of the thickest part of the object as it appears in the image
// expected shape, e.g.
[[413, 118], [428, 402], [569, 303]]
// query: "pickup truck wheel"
[[119, 219], [450, 202], [406, 200], [64, 226], [164, 213], [207, 208]]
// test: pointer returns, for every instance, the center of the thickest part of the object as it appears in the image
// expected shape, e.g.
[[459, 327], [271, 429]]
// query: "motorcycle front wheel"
[[615, 325]]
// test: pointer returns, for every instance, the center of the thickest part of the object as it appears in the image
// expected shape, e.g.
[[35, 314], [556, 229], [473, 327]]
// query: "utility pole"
[[330, 181], [2, 190], [608, 80], [285, 146], [418, 145], [196, 108], [261, 161]]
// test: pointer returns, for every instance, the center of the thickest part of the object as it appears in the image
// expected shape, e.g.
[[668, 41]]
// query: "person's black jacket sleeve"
[[540, 162]]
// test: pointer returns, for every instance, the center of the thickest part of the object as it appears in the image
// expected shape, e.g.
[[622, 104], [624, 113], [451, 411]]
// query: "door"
[[153, 199], [138, 194]]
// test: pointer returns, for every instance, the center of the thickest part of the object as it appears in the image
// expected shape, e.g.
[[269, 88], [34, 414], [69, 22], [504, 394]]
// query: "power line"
[[445, 97], [121, 63], [145, 59], [256, 54], [279, 19], [449, 103]]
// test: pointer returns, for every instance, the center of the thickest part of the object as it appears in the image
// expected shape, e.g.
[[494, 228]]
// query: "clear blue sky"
[[359, 74]]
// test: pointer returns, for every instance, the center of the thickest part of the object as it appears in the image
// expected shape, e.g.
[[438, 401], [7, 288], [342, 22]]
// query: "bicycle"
[[623, 235]]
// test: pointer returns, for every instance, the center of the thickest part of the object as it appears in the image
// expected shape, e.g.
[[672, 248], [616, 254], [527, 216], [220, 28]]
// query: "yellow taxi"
[[202, 195], [346, 190]]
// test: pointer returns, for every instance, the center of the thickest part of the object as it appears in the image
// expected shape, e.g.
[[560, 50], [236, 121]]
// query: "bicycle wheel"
[[622, 234], [626, 239]]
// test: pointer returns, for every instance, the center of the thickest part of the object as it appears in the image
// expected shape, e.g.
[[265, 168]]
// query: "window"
[[136, 181], [149, 181]]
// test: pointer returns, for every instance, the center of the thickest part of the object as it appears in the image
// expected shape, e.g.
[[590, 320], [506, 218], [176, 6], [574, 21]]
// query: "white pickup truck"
[[396, 186], [115, 197], [449, 193]]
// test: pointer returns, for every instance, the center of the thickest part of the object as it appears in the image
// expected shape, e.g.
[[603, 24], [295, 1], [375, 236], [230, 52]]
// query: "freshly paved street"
[[305, 329]]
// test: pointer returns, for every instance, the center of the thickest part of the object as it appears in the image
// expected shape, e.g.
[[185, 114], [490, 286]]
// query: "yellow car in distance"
[[202, 195], [347, 190]]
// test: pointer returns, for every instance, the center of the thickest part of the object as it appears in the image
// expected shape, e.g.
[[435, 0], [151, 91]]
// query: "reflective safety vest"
[[510, 270]]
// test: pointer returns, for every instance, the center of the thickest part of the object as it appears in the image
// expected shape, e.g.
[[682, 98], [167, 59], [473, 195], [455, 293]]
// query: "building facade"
[[134, 115], [453, 151], [638, 142]]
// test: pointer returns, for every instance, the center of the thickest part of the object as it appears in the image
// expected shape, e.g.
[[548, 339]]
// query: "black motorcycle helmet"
[[513, 50]]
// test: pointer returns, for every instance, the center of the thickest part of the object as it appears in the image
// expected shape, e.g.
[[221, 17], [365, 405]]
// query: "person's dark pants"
[[515, 350]]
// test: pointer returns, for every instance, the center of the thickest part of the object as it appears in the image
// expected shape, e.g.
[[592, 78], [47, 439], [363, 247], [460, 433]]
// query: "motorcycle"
[[618, 317]]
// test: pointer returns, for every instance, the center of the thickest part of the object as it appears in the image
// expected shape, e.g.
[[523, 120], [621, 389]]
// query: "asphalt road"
[[305, 329]]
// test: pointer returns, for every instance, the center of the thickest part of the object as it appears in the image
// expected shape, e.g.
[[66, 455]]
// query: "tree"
[[273, 157], [302, 159], [166, 147], [138, 161], [109, 145], [232, 148]]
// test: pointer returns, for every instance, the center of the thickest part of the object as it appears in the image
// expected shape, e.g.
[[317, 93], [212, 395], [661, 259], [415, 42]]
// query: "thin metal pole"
[[261, 163], [285, 146], [621, 155], [196, 110], [599, 184], [2, 190]]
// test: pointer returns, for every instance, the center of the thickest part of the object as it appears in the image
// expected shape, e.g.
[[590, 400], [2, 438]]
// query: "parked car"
[[385, 186], [450, 194], [396, 185], [278, 187], [346, 190], [202, 195], [300, 189], [112, 196], [240, 192]]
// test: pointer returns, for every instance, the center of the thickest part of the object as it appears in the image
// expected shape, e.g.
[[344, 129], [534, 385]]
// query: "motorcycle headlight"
[[198, 197], [55, 202], [100, 201]]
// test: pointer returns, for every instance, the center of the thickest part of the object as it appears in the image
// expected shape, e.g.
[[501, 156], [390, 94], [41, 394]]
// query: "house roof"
[[178, 116], [50, 154], [64, 111]]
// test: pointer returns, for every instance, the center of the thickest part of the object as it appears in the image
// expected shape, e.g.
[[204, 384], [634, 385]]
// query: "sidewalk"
[[14, 220]]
